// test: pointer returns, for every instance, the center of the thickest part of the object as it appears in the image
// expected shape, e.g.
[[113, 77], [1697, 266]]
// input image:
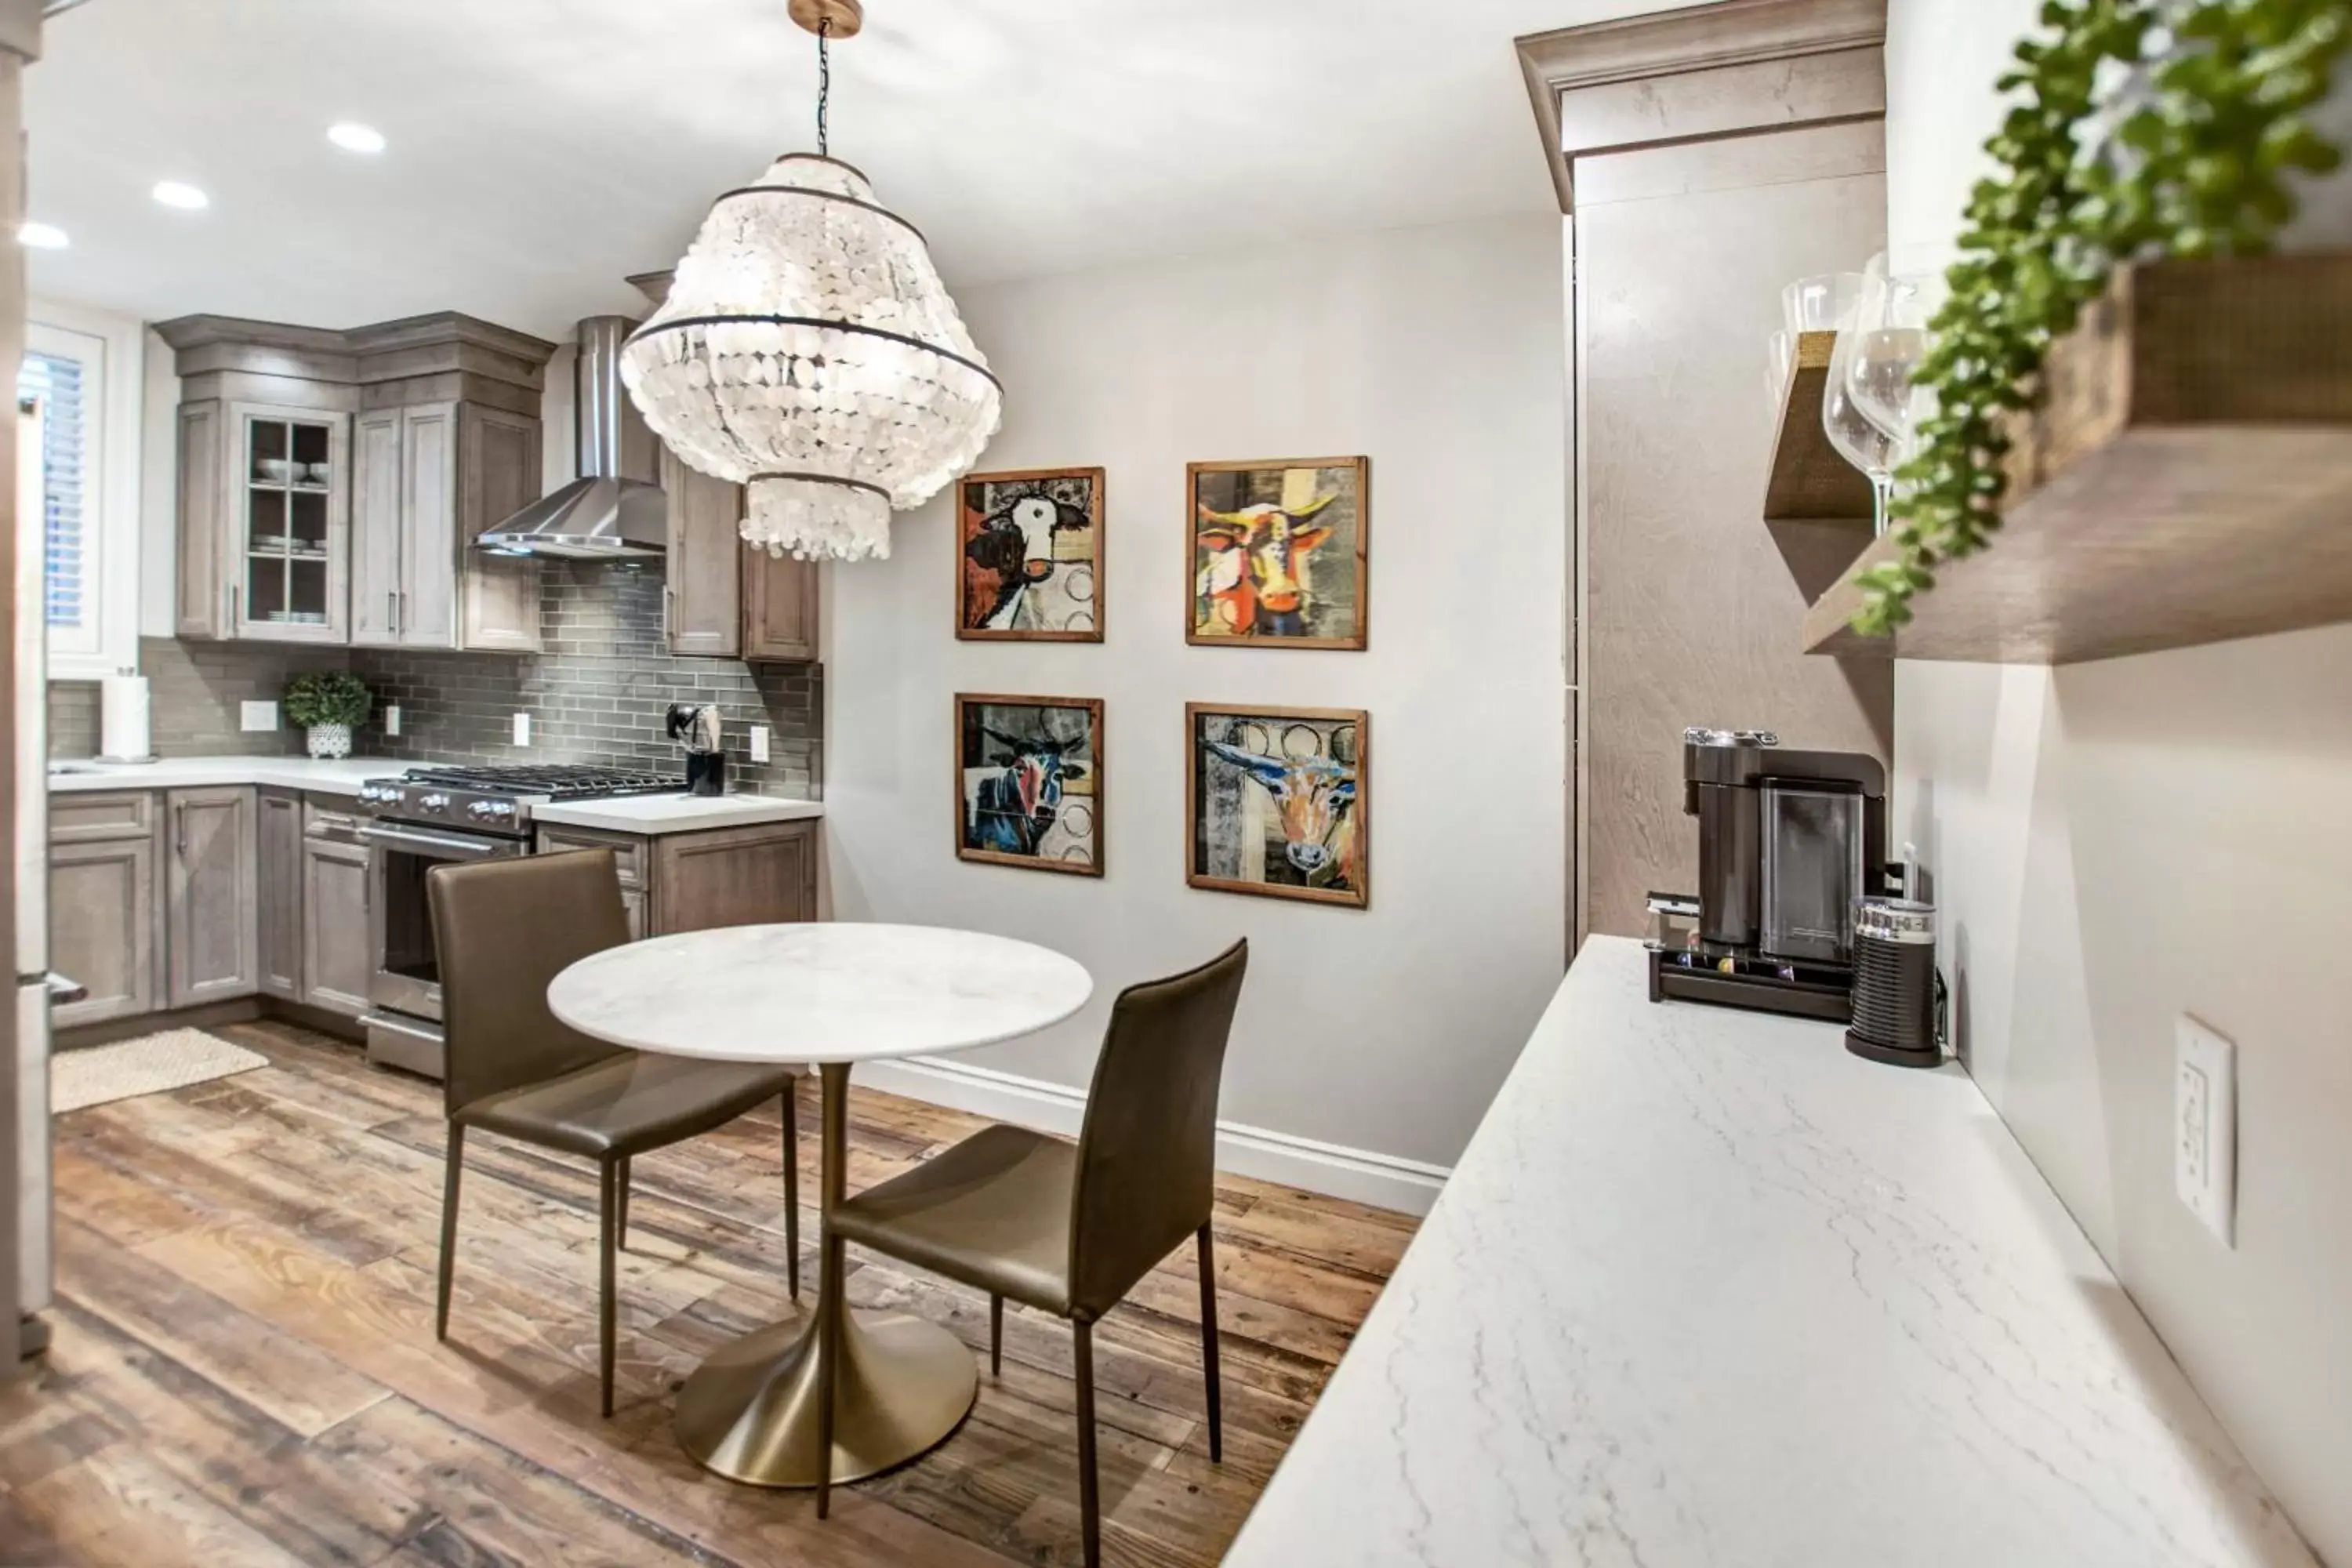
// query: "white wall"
[[1438, 353], [2121, 842]]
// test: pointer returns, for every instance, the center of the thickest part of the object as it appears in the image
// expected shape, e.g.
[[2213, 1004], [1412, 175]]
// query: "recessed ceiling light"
[[353, 137], [177, 193], [41, 236]]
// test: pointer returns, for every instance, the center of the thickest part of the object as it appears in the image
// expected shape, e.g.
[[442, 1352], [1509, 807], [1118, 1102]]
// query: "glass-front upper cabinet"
[[288, 521]]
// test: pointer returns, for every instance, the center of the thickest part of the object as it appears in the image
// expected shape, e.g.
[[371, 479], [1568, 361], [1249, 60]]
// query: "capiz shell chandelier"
[[808, 351]]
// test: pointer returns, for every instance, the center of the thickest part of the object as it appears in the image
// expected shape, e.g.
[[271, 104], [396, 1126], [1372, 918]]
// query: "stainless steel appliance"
[[1790, 843], [695, 727], [615, 508], [439, 816], [1895, 987]]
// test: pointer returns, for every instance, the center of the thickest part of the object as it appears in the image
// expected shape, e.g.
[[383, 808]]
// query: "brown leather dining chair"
[[502, 929], [1070, 1228]]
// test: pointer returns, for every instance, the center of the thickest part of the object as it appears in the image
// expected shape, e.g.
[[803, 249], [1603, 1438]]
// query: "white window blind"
[[68, 487]]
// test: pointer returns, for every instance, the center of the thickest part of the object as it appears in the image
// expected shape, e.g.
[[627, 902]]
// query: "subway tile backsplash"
[[598, 693]]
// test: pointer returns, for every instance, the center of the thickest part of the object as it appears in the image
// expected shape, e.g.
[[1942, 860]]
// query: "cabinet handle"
[[180, 827], [392, 608], [667, 593]]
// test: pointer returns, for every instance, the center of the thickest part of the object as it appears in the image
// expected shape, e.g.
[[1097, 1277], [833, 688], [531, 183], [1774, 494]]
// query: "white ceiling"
[[541, 150]]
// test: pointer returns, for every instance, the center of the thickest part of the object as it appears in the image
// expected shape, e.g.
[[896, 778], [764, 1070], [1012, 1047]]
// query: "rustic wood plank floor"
[[243, 1370]]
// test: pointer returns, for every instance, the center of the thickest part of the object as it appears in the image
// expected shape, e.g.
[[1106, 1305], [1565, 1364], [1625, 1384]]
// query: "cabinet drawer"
[[330, 816], [92, 818], [627, 850]]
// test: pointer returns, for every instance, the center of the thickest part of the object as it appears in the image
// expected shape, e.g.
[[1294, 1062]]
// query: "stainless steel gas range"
[[439, 816]]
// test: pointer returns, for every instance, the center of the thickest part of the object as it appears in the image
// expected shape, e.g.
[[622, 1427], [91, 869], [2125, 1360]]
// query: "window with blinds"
[[67, 486]]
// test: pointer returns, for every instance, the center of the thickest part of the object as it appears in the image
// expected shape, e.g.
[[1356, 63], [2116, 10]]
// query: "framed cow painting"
[[1279, 801], [1029, 782], [1029, 565], [1279, 552]]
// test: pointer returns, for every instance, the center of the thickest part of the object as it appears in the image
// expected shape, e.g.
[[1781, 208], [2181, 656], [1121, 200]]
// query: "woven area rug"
[[93, 1075]]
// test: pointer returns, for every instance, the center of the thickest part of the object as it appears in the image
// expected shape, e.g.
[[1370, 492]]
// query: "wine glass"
[[1818, 303], [1857, 438], [1891, 338]]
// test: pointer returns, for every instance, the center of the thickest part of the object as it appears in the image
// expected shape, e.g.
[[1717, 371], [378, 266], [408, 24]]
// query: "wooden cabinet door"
[[702, 602], [377, 526], [337, 960], [428, 538], [736, 876], [277, 918], [780, 608], [263, 585], [203, 572], [209, 894], [499, 475], [102, 927]]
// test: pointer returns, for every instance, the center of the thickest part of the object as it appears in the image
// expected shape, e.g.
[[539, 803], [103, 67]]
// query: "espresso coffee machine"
[[1790, 843]]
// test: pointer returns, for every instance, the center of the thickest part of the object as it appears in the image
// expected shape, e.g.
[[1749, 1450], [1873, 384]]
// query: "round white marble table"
[[830, 994]]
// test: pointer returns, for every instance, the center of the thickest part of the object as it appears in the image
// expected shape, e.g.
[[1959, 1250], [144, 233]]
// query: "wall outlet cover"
[[522, 729], [2205, 1126], [258, 716], [392, 719], [758, 742]]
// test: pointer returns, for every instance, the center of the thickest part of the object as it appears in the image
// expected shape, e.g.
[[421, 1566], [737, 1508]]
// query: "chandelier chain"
[[823, 78]]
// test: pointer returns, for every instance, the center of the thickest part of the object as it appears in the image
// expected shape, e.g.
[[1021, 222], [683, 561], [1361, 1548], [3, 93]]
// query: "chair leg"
[[621, 1224], [608, 1238], [1089, 1502], [996, 1336], [792, 1190], [454, 1162], [1209, 1346]]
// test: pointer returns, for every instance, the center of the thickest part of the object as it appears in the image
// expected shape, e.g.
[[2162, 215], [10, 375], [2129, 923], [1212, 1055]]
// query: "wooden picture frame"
[[995, 541], [1285, 750], [994, 836], [1245, 597]]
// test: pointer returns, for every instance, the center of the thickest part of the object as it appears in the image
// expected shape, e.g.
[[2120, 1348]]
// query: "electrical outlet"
[[758, 742], [522, 729], [392, 718], [258, 715], [2205, 1126]]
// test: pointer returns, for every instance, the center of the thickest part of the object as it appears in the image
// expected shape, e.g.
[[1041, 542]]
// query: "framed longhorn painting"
[[1279, 801], [1029, 782], [1029, 565], [1279, 552]]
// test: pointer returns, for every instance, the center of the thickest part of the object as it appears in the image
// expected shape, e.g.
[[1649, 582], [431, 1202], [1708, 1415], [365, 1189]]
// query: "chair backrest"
[[501, 930], [1146, 1153]]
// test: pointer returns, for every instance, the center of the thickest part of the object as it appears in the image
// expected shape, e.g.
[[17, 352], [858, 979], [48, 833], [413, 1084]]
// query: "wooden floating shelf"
[[1816, 504], [2186, 479]]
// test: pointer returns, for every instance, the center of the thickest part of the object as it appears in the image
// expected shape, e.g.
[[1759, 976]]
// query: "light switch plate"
[[258, 715], [392, 718], [522, 729], [758, 742], [2205, 1126]]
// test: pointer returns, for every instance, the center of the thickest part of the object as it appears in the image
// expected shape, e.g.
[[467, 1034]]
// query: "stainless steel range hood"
[[613, 510]]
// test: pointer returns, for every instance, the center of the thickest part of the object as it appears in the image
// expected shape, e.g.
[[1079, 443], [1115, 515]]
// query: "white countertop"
[[657, 813], [645, 814], [1705, 1288]]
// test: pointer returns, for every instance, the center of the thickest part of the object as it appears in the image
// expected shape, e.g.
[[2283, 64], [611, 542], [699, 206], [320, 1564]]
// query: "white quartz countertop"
[[645, 814], [657, 813], [342, 776], [1705, 1288]]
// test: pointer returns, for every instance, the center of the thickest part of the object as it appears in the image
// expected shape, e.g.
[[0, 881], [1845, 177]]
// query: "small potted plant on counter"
[[327, 704]]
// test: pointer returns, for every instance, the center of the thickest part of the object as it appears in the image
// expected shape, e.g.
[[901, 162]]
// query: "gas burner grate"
[[559, 781]]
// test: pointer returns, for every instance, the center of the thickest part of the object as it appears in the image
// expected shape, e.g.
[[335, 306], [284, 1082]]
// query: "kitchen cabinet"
[[692, 881], [277, 918], [210, 887], [430, 478], [331, 483], [725, 598], [264, 521], [103, 904], [337, 949]]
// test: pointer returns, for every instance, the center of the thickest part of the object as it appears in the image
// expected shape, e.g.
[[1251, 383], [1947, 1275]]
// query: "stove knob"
[[482, 810], [435, 803], [502, 808]]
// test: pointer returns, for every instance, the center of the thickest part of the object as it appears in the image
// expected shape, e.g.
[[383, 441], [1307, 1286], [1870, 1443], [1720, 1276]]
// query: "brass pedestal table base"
[[901, 1386]]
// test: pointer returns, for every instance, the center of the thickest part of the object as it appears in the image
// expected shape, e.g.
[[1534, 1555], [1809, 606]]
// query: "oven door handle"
[[450, 846]]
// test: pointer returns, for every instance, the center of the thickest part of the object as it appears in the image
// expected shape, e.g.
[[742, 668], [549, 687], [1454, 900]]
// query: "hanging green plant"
[[2199, 167]]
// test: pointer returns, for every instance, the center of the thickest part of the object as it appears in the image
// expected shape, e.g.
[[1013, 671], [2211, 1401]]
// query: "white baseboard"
[[1383, 1181]]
